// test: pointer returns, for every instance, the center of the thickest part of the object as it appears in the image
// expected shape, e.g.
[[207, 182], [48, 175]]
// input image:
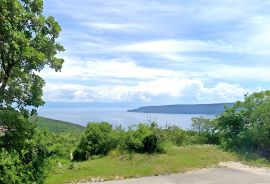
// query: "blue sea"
[[119, 117]]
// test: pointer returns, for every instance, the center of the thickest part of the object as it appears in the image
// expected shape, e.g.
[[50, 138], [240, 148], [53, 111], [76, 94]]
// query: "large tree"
[[27, 45]]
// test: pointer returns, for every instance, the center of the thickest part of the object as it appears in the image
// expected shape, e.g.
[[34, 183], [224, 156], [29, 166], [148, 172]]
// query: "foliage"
[[206, 129], [60, 137], [201, 124], [97, 140], [16, 129], [10, 167], [143, 138], [25, 165], [27, 152], [27, 45], [246, 125], [175, 135], [56, 126], [60, 145], [100, 138]]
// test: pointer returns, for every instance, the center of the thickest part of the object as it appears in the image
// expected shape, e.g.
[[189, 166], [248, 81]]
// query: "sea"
[[119, 117]]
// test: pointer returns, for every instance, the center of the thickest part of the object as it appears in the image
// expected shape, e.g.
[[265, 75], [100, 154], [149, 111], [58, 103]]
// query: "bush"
[[23, 153], [17, 129], [98, 139], [175, 135], [10, 167], [25, 166], [61, 145], [143, 138]]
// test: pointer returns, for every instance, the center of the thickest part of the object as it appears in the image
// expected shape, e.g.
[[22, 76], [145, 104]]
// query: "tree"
[[201, 124], [246, 125], [27, 44]]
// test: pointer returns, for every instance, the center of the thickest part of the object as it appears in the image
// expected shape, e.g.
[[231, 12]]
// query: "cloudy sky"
[[160, 51]]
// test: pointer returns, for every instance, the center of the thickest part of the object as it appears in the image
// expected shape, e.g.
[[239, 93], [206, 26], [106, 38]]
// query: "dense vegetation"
[[27, 45], [23, 152], [57, 126], [245, 127], [100, 138]]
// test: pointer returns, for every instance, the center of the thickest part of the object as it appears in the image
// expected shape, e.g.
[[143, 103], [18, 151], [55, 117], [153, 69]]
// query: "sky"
[[160, 51]]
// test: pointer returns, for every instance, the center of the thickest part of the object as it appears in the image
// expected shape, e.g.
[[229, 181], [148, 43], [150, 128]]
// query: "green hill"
[[57, 126]]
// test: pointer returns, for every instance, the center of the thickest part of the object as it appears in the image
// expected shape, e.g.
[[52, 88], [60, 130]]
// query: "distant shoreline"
[[213, 109]]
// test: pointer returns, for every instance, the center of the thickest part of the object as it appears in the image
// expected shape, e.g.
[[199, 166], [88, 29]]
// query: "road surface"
[[225, 173]]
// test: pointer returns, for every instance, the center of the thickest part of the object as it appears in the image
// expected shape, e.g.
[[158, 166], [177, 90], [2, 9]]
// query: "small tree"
[[206, 129], [201, 124]]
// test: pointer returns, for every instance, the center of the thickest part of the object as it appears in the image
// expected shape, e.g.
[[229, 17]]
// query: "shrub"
[[17, 129], [192, 137], [25, 166], [144, 138], [23, 150], [97, 140], [61, 145], [175, 135], [10, 167]]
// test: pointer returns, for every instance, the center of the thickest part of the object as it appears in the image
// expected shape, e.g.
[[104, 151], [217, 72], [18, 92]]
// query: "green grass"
[[115, 165], [253, 160], [57, 126]]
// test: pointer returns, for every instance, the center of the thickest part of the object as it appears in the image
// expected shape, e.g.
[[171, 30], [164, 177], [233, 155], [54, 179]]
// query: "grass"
[[116, 165], [57, 126], [253, 160]]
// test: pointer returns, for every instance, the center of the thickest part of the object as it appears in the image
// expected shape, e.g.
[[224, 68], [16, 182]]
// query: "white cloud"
[[75, 68], [175, 46], [221, 92], [173, 87], [146, 91], [174, 49], [125, 27], [238, 73], [257, 36]]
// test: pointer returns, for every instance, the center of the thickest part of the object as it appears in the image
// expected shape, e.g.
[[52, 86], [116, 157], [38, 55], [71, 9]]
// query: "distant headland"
[[214, 109]]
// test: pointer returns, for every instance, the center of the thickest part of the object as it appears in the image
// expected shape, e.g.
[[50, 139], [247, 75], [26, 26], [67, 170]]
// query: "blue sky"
[[160, 51]]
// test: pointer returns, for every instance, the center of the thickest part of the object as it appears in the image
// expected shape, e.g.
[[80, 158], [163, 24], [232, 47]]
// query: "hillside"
[[185, 109], [57, 126]]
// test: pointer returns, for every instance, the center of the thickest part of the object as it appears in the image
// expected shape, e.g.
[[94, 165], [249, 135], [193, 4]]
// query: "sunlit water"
[[122, 117]]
